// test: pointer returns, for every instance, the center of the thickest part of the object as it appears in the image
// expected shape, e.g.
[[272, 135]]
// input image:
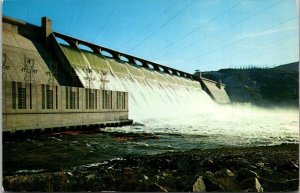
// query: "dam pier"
[[50, 83]]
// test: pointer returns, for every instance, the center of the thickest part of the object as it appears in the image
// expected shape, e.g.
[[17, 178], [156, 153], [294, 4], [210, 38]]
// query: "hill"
[[277, 86]]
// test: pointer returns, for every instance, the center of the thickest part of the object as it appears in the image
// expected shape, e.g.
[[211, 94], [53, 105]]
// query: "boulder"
[[224, 173], [209, 175], [260, 164], [146, 177], [209, 164], [199, 185], [282, 185], [183, 165], [154, 187], [242, 163], [272, 186], [266, 171], [289, 166], [212, 186], [160, 188], [245, 174], [90, 177], [251, 185], [291, 185]]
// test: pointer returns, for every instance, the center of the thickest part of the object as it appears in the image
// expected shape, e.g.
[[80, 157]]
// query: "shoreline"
[[262, 168]]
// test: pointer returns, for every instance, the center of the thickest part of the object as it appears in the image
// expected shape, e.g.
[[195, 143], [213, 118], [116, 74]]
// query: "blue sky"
[[183, 34]]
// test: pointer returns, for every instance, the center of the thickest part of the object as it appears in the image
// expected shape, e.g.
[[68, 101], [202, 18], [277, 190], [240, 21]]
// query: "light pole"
[[28, 69], [103, 79], [89, 76]]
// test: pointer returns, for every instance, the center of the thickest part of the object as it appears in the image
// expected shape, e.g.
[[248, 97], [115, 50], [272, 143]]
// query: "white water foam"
[[194, 113], [153, 98], [171, 108], [228, 125]]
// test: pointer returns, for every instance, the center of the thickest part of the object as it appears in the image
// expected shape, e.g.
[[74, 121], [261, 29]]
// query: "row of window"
[[72, 98]]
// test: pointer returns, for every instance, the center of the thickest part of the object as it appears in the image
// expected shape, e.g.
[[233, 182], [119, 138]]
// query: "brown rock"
[[245, 174], [212, 186], [224, 173], [160, 188], [252, 185], [199, 185]]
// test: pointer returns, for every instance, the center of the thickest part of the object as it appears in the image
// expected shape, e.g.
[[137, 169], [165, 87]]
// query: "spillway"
[[169, 104], [152, 94]]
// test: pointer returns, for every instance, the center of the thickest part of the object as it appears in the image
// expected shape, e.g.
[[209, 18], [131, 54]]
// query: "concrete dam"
[[50, 82]]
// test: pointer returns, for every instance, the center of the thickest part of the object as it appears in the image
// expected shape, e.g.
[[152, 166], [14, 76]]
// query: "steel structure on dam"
[[43, 86]]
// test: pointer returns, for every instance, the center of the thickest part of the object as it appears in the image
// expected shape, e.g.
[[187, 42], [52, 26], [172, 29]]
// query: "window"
[[14, 95], [77, 98], [120, 100], [106, 99], [90, 99], [72, 100], [21, 98], [86, 98], [67, 97], [43, 96], [49, 99], [95, 101], [124, 101], [30, 95], [56, 98]]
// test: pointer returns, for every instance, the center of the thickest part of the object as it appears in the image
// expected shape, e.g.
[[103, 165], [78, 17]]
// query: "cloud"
[[269, 32], [264, 33]]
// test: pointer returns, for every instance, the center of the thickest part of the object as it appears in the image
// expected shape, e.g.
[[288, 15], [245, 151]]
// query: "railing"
[[74, 42]]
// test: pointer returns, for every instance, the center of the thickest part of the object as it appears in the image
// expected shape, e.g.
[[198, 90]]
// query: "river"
[[231, 125]]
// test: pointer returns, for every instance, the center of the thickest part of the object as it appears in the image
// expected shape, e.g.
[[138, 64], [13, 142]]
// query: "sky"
[[187, 35]]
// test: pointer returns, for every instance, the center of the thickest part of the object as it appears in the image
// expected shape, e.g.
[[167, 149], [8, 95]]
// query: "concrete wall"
[[217, 92], [50, 106], [24, 42]]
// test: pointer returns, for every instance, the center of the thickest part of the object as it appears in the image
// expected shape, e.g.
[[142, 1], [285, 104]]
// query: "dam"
[[54, 81]]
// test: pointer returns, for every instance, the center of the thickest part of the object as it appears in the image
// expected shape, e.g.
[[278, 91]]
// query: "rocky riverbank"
[[255, 169]]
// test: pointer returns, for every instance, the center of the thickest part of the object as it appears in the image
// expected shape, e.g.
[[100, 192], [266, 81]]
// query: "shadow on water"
[[59, 152]]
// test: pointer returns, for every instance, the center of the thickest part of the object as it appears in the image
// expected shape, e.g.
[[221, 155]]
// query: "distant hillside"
[[292, 66], [261, 86]]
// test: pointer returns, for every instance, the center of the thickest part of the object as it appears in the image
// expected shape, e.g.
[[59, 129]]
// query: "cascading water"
[[151, 98], [175, 105]]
